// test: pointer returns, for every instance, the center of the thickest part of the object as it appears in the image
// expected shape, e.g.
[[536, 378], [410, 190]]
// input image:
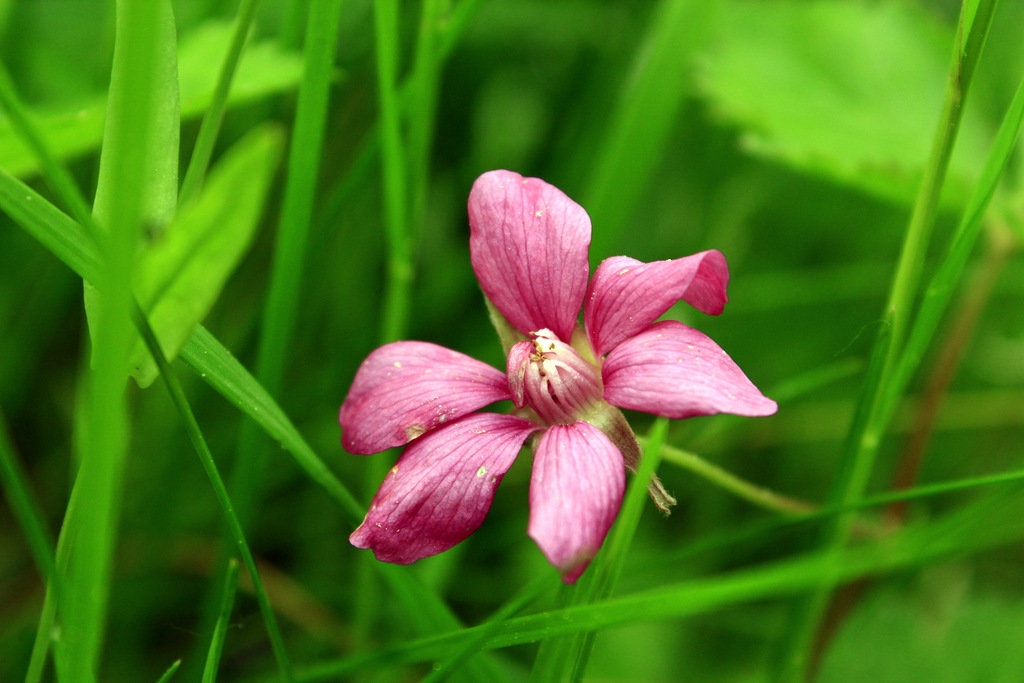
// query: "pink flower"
[[528, 245]]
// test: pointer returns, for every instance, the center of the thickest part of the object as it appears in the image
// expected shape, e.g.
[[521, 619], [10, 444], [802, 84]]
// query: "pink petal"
[[404, 389], [672, 370], [441, 488], [528, 243], [627, 295], [575, 494]]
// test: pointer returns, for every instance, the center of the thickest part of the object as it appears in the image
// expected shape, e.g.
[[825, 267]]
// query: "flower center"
[[550, 377]]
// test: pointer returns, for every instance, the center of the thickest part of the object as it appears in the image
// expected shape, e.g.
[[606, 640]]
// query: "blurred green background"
[[789, 135]]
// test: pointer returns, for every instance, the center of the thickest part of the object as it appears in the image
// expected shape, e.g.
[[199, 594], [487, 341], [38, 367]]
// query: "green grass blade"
[[24, 506], [459, 655], [227, 601], [283, 297], [395, 174], [975, 528], [942, 285], [865, 435], [220, 491], [50, 226], [223, 372], [215, 364], [214, 116], [59, 178], [169, 674], [131, 177]]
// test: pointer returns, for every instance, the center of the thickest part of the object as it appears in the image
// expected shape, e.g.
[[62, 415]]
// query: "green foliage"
[[797, 137], [180, 274], [847, 90]]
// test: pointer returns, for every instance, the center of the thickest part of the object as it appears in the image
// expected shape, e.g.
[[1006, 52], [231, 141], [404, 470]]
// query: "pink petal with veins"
[[441, 488], [405, 389], [575, 494], [675, 371], [528, 244], [627, 295]]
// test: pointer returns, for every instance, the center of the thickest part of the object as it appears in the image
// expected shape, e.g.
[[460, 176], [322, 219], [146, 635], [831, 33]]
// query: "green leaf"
[[947, 630], [181, 273], [847, 90], [264, 69]]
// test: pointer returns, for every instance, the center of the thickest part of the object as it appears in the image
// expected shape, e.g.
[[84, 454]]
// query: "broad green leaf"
[[181, 273], [847, 90], [948, 631], [265, 69]]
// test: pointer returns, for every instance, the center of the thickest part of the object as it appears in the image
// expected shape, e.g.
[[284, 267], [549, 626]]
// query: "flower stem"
[[752, 493]]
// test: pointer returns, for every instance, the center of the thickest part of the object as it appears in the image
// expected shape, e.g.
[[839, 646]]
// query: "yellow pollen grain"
[[482, 472], [623, 271], [397, 364]]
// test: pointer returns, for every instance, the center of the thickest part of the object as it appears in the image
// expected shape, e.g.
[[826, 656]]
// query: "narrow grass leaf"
[[223, 372], [394, 169], [227, 601], [942, 285], [869, 424], [50, 226], [215, 364], [284, 294], [975, 528], [24, 130], [202, 152], [219, 490], [460, 654], [171, 670], [24, 506]]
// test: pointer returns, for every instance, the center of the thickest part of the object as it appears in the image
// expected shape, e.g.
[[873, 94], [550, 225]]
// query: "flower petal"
[[441, 488], [627, 295], [404, 389], [675, 371], [575, 494], [528, 243]]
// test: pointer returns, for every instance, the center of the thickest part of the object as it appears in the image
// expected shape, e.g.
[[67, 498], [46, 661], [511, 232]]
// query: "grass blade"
[[129, 190], [219, 490], [396, 210], [169, 674], [978, 526], [24, 506], [227, 601], [865, 435], [214, 116], [283, 296]]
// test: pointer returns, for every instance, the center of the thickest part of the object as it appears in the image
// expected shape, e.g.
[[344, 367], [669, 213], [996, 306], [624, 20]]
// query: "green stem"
[[752, 493]]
